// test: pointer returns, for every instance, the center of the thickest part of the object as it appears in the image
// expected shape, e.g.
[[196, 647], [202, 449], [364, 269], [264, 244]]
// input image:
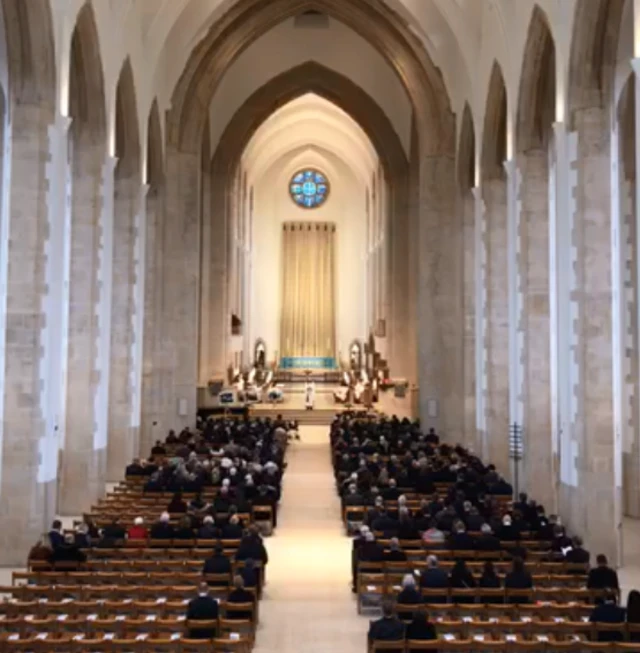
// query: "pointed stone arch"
[[31, 50], [596, 26], [467, 151], [87, 105], [536, 97], [155, 149], [375, 21], [312, 77], [494, 133], [128, 149]]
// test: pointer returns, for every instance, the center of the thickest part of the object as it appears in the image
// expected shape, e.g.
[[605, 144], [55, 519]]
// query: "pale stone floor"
[[308, 603]]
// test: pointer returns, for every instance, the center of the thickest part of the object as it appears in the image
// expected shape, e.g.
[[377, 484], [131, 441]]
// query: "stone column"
[[207, 236], [153, 395], [480, 270], [137, 319], [466, 203], [181, 282], [403, 295], [122, 445], [219, 283], [497, 330], [102, 311], [53, 364], [82, 466], [595, 508], [29, 458], [440, 317], [629, 203], [516, 318], [533, 322]]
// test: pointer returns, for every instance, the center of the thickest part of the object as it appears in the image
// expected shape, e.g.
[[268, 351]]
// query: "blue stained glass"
[[309, 188]]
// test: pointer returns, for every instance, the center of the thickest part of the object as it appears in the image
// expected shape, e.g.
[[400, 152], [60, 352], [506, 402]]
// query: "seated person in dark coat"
[[386, 524], [609, 612], [184, 530], [518, 579], [208, 530], [202, 608], [250, 574], [56, 536], [68, 551], [490, 580], [407, 529], [461, 578], [487, 540], [460, 540], [218, 563], [434, 578], [395, 553], [421, 629], [162, 529], [603, 577], [252, 546], [633, 614], [409, 595], [577, 554], [387, 629], [370, 550], [113, 532], [240, 595], [232, 530], [177, 504], [508, 531]]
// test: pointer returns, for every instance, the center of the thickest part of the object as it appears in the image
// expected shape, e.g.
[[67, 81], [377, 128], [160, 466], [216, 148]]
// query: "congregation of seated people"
[[206, 485], [464, 509]]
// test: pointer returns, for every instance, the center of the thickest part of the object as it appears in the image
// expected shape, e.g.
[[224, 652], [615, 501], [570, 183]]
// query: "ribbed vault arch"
[[248, 19], [311, 77]]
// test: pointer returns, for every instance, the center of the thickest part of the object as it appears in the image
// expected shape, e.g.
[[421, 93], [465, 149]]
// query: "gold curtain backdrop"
[[308, 290]]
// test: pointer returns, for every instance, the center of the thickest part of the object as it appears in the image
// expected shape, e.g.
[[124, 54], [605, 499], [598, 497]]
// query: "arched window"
[[309, 188]]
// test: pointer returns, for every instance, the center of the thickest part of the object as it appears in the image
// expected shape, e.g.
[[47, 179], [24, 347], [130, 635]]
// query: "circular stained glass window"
[[309, 189]]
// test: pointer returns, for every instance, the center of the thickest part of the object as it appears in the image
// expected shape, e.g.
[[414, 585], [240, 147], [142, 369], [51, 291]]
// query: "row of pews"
[[130, 595]]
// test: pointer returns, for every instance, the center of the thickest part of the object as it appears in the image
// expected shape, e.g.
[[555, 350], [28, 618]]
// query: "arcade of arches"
[[477, 166]]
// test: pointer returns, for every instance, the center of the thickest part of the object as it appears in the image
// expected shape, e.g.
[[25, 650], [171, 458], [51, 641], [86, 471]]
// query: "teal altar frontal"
[[308, 363]]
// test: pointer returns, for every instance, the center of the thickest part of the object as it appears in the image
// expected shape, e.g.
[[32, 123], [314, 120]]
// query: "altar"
[[308, 363]]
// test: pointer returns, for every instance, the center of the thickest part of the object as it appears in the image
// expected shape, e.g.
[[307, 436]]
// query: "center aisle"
[[307, 604]]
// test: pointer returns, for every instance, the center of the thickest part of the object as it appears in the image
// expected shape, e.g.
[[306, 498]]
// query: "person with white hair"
[[138, 530], [162, 529], [409, 595]]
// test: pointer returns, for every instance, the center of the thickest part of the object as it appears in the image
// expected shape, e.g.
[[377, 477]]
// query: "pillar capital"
[[635, 64], [510, 167], [63, 123], [110, 163]]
